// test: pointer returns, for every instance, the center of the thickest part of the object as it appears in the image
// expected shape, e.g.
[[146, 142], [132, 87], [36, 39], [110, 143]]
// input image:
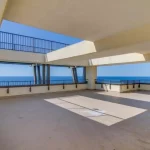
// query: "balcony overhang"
[[86, 19]]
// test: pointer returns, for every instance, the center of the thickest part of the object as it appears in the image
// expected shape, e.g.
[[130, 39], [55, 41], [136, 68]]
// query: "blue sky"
[[26, 70]]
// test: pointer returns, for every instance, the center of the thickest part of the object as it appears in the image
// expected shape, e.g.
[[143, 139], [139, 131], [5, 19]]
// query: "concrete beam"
[[137, 52], [130, 58], [129, 41], [75, 50], [121, 59], [3, 4]]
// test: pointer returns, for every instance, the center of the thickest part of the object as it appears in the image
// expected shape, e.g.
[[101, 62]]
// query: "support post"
[[35, 74], [39, 75], [48, 74], [91, 75], [84, 73], [74, 74], [43, 74]]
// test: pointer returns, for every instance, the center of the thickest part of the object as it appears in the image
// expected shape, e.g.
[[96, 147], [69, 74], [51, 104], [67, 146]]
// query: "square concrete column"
[[91, 75]]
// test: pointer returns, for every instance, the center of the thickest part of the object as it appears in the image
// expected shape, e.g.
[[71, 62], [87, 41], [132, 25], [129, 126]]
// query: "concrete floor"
[[81, 120]]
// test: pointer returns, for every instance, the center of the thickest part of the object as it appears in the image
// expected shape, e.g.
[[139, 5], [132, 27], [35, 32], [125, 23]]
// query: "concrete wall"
[[40, 89], [145, 87], [123, 88], [120, 88]]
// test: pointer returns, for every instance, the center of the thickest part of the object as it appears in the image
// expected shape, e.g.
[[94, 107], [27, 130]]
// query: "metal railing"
[[39, 83], [10, 41], [119, 82], [122, 82]]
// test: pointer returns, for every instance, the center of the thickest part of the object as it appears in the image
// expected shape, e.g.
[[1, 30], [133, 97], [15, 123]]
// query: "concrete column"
[[48, 74], [91, 75], [43, 73], [35, 74], [74, 74], [39, 74]]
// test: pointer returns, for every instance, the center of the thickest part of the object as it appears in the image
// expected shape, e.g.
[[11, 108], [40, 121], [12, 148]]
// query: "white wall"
[[40, 89]]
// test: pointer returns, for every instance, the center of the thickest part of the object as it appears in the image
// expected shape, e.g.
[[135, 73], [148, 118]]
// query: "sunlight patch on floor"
[[100, 111]]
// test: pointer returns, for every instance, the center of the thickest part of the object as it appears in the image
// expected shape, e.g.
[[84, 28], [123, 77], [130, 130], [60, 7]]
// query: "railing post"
[[63, 85], [48, 86], [139, 84], [127, 84], [51, 46], [13, 48], [76, 85], [133, 84], [48, 74], [8, 88], [33, 45], [102, 85], [30, 87]]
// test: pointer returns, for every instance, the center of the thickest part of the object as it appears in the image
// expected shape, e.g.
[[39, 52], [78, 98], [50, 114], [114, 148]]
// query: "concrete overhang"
[[87, 19], [112, 28]]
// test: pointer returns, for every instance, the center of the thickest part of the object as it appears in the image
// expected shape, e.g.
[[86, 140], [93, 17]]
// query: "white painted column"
[[91, 75]]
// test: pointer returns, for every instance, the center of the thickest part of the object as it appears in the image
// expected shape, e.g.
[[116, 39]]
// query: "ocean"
[[26, 80], [124, 79]]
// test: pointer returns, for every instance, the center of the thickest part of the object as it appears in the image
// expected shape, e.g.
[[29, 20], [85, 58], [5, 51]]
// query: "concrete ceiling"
[[85, 19]]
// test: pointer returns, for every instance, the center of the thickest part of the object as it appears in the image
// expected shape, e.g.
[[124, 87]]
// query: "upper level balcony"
[[10, 41]]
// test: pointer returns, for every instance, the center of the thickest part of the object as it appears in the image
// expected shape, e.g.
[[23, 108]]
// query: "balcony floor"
[[81, 120]]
